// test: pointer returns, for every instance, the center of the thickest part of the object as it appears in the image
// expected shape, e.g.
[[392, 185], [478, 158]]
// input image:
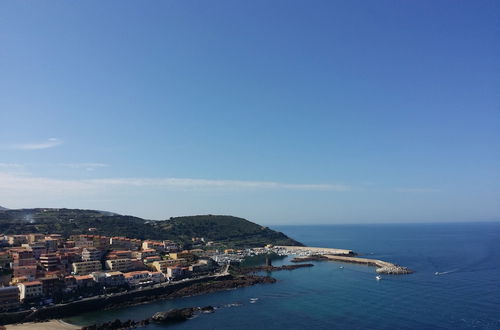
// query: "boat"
[[436, 273], [378, 277], [341, 267]]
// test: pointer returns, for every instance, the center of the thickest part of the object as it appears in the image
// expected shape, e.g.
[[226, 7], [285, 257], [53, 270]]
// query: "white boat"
[[341, 267], [436, 273], [378, 277]]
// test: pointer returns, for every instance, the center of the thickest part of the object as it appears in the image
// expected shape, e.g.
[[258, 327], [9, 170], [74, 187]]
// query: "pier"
[[308, 250], [306, 253], [383, 267]]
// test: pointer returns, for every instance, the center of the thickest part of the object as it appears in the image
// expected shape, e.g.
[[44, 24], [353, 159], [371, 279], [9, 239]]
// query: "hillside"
[[228, 230], [2, 208]]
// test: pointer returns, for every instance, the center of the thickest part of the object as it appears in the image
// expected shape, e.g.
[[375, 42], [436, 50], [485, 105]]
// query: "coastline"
[[183, 289], [46, 325]]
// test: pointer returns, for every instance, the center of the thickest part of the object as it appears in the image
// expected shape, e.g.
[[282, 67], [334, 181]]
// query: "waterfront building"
[[86, 267], [114, 279], [70, 283], [84, 281], [9, 298], [30, 290], [51, 285], [176, 272], [162, 265]]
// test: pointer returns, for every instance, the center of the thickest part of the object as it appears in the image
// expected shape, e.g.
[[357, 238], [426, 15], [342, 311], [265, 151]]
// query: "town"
[[39, 270]]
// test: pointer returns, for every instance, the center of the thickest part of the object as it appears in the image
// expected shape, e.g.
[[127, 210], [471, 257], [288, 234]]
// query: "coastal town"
[[41, 270]]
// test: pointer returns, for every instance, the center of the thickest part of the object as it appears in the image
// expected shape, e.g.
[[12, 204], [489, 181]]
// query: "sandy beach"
[[49, 325]]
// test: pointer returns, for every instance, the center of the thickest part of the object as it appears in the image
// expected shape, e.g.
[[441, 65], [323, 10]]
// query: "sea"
[[465, 293]]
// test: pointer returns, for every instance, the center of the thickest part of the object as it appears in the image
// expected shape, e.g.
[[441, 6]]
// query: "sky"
[[282, 112]]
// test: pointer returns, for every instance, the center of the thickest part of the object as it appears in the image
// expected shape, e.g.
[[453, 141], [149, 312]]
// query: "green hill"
[[228, 230]]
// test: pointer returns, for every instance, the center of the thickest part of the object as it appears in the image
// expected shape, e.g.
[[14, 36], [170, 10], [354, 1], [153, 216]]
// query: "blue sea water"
[[466, 294]]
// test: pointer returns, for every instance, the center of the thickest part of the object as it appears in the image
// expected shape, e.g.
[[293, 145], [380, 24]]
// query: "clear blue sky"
[[277, 111]]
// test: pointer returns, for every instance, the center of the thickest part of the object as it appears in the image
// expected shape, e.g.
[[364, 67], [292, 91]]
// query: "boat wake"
[[447, 272]]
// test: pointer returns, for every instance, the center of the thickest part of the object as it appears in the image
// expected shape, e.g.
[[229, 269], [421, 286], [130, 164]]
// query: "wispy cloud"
[[416, 190], [204, 183], [86, 166], [11, 182], [11, 166], [49, 143]]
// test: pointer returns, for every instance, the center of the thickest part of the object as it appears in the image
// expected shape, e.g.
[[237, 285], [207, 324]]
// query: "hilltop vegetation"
[[228, 230]]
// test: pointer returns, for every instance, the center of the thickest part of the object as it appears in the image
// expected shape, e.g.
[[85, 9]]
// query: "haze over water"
[[465, 295]]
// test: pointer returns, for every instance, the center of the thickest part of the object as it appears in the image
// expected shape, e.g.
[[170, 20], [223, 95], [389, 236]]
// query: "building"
[[121, 265], [114, 279], [203, 266], [120, 254], [49, 261], [84, 281], [30, 290], [17, 240], [28, 272], [144, 253], [155, 245], [37, 248], [33, 238], [86, 267], [9, 298], [51, 285], [51, 244], [5, 259], [91, 254], [144, 277], [182, 255], [162, 265], [22, 257], [176, 272]]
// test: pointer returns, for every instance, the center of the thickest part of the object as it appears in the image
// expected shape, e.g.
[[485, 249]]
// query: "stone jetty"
[[383, 267]]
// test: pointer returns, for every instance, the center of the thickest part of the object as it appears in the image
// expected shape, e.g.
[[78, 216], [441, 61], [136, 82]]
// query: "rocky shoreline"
[[247, 270], [167, 317], [198, 289]]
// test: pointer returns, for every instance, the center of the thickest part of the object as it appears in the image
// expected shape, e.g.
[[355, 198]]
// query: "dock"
[[306, 253], [383, 267], [308, 250]]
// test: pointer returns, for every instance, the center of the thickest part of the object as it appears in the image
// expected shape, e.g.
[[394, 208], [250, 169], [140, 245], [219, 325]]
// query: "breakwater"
[[308, 250], [383, 267]]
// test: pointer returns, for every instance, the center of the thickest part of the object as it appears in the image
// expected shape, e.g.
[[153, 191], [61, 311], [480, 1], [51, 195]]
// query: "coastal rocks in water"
[[117, 324], [207, 309], [394, 270], [314, 257], [174, 315], [273, 268]]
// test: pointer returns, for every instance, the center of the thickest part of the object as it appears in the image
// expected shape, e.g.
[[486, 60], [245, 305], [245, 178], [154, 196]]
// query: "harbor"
[[304, 254]]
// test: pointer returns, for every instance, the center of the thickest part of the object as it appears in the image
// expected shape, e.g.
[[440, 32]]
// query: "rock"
[[174, 315], [208, 309]]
